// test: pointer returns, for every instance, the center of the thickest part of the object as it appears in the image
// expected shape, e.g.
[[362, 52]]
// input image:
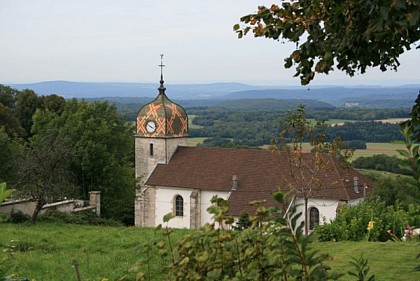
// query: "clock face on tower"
[[151, 126]]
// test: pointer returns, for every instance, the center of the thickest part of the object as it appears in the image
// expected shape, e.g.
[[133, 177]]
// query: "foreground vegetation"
[[45, 251]]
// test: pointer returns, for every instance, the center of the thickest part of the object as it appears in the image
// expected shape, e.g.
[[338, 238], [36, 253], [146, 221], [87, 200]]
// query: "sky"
[[121, 41]]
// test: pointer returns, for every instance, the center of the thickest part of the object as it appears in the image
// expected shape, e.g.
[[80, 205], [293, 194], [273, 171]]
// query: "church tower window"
[[179, 206], [151, 149]]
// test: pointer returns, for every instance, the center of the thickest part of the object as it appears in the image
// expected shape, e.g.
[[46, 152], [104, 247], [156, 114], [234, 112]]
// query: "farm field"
[[45, 251], [195, 141], [331, 121], [389, 149], [190, 122]]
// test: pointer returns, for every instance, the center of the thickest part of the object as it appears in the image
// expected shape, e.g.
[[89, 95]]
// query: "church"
[[178, 179]]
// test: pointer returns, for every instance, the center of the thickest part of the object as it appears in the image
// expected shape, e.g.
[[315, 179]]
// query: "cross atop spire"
[[161, 87]]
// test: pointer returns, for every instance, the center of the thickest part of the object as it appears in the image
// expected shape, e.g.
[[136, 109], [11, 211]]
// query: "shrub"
[[355, 144], [401, 189], [381, 162], [351, 222], [271, 248], [19, 217], [87, 217]]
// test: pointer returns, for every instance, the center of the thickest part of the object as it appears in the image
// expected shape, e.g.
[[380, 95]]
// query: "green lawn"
[[46, 252], [387, 260]]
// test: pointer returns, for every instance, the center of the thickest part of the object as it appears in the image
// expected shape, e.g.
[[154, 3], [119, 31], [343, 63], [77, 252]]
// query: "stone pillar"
[[144, 207], [95, 200], [139, 208], [195, 210]]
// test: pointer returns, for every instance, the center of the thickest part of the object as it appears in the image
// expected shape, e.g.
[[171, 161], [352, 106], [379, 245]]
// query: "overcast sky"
[[121, 40]]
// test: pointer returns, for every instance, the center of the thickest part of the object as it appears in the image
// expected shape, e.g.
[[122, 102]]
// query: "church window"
[[151, 149], [313, 217], [179, 206]]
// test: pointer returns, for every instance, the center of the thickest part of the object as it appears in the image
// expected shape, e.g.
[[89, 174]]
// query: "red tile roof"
[[259, 173]]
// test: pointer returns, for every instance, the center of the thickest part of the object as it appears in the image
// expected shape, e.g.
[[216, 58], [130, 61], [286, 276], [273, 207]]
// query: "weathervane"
[[161, 73]]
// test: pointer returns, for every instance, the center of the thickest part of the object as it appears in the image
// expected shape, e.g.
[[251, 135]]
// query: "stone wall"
[[27, 206]]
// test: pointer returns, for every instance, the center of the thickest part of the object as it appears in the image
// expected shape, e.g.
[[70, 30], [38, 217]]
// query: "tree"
[[53, 103], [349, 35], [102, 148], [308, 173], [7, 96], [9, 122], [411, 131], [10, 148], [397, 189], [43, 171], [27, 102]]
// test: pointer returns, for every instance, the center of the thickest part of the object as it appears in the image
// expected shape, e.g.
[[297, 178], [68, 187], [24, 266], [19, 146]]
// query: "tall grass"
[[45, 251]]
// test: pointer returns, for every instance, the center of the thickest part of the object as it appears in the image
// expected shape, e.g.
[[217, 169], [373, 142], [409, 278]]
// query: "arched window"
[[179, 206], [313, 217]]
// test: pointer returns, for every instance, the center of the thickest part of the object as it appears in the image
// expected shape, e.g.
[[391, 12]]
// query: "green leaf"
[[168, 217], [278, 196], [4, 192], [403, 153]]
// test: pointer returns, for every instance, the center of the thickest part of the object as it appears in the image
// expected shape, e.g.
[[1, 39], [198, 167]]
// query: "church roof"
[[259, 174], [170, 119], [162, 117]]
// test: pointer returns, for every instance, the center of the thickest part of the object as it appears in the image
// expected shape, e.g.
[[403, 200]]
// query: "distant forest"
[[255, 128], [255, 122]]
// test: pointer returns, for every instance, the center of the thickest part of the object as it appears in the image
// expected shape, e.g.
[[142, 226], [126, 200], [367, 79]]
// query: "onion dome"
[[162, 117]]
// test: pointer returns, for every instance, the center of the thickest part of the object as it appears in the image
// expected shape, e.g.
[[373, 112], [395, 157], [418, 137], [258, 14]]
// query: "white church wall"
[[205, 203], [355, 201], [165, 203], [327, 208]]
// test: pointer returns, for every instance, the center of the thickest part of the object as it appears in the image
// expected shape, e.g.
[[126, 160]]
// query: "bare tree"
[[309, 173]]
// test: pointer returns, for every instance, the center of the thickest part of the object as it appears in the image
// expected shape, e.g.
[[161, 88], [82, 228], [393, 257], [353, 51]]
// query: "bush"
[[271, 248], [381, 162], [355, 144], [351, 222], [397, 189], [89, 218], [19, 217]]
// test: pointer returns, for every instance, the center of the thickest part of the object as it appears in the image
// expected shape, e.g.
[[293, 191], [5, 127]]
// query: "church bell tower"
[[162, 126]]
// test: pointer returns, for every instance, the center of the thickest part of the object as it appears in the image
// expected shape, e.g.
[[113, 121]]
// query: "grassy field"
[[332, 121], [195, 141], [389, 149], [387, 260], [190, 122], [46, 252]]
